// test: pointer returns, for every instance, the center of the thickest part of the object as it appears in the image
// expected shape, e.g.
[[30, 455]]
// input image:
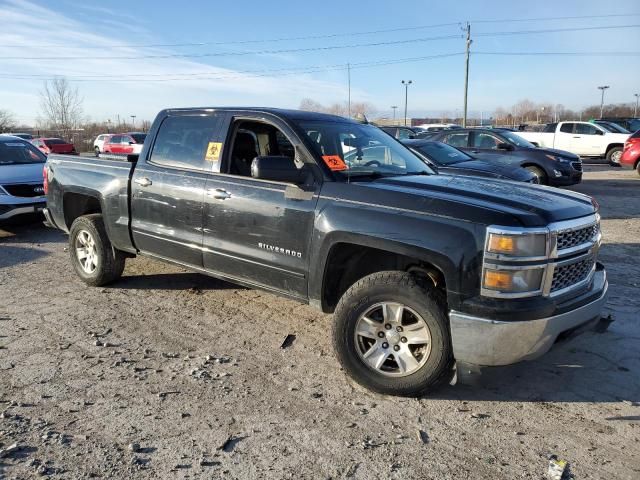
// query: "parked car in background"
[[24, 136], [552, 167], [401, 133], [21, 187], [444, 158], [629, 123], [436, 127], [124, 143], [99, 142], [54, 145], [612, 126], [631, 154], [582, 138]]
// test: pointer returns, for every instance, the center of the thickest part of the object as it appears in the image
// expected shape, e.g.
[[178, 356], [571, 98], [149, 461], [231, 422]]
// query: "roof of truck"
[[281, 112]]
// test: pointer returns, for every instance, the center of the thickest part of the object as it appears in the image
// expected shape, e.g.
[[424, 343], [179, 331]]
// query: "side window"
[[584, 129], [183, 142], [457, 139], [404, 133], [485, 141], [115, 139], [567, 128]]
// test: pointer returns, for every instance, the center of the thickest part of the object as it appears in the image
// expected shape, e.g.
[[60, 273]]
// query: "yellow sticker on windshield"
[[213, 152]]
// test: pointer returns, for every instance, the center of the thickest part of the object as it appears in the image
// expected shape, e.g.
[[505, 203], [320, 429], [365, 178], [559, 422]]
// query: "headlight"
[[556, 158], [512, 281], [517, 245]]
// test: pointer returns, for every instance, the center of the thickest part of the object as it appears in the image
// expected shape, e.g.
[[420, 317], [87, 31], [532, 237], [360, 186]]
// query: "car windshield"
[[19, 152], [516, 140], [359, 150], [613, 127], [441, 153], [139, 137]]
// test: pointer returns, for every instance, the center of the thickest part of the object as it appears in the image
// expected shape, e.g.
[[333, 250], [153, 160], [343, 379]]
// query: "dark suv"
[[552, 167]]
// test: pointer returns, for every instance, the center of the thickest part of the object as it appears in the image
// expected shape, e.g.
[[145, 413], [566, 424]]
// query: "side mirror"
[[276, 168], [132, 143], [132, 157], [505, 146], [599, 132]]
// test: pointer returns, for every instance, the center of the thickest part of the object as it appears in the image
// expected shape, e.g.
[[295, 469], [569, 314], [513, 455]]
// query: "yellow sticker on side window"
[[213, 152]]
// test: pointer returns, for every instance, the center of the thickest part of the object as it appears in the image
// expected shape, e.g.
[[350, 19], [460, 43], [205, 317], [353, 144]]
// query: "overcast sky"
[[221, 66]]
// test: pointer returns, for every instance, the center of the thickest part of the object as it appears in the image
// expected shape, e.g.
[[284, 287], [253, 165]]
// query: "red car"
[[631, 154], [54, 145], [124, 143]]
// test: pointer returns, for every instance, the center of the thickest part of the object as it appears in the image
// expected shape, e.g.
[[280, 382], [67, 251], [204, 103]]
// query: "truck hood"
[[21, 173], [507, 169], [531, 205]]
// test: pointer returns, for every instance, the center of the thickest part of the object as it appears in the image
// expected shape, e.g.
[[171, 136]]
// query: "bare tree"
[[61, 105], [7, 121], [337, 108]]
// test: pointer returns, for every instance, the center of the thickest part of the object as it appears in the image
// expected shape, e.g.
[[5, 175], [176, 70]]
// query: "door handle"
[[218, 193], [143, 182], [577, 137]]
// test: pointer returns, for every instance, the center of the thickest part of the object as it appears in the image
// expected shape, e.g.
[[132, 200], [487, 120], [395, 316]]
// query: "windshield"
[[355, 150], [516, 140], [441, 153], [139, 137], [12, 153], [613, 127]]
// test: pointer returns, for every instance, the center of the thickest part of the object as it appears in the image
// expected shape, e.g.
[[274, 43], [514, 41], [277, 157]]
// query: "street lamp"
[[603, 88], [635, 112], [406, 95], [133, 121], [394, 107], [108, 125]]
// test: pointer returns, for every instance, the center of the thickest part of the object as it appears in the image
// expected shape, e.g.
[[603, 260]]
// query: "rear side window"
[[457, 139], [183, 141], [567, 128], [584, 129]]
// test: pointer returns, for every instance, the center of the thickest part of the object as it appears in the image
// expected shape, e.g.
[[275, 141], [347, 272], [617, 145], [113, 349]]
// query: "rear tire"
[[539, 174], [613, 156], [413, 346], [96, 151], [638, 168], [93, 257]]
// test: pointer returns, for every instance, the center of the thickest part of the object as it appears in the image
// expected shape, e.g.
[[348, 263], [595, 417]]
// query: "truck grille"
[[568, 275], [25, 189], [573, 238]]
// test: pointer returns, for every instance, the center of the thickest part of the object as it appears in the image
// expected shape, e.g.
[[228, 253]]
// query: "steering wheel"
[[372, 163]]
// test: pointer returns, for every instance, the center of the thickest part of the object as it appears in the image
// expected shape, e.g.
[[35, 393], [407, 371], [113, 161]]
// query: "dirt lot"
[[169, 374]]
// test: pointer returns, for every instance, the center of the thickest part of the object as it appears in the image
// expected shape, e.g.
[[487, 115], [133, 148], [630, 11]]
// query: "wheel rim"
[[86, 251], [392, 339], [615, 156]]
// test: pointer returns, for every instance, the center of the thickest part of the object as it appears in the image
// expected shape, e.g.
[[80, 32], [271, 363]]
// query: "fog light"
[[557, 173]]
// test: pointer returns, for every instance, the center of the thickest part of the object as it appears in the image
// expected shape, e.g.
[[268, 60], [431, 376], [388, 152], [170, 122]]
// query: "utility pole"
[[133, 121], [466, 74], [635, 112], [603, 88], [394, 107], [118, 120], [406, 96], [349, 86]]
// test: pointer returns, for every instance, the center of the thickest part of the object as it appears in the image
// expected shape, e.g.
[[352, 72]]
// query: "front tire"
[[613, 156], [391, 334], [93, 257]]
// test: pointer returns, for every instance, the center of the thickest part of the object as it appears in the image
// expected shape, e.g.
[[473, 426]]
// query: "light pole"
[[109, 125], [635, 112], [394, 108], [133, 121], [406, 96], [603, 88]]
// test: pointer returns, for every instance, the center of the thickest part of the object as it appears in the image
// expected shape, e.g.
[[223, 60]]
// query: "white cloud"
[[27, 23]]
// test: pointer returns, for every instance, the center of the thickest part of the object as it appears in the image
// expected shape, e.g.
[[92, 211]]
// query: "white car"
[[582, 138], [21, 186], [98, 143]]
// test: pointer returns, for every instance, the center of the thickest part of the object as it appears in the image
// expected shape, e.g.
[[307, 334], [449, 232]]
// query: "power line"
[[317, 37], [554, 30], [575, 54], [226, 54]]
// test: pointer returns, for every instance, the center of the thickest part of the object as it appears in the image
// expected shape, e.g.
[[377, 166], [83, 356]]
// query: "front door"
[[258, 231], [168, 189], [587, 140], [485, 146]]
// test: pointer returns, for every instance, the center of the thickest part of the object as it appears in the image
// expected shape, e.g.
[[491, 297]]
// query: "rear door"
[[113, 144], [168, 188], [258, 231], [564, 137]]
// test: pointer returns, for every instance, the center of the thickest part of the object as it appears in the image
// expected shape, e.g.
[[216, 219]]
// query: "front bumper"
[[8, 211], [487, 342]]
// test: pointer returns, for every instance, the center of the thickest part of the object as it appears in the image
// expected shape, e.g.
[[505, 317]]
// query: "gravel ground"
[[170, 374]]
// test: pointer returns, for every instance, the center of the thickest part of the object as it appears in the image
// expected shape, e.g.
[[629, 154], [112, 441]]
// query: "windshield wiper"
[[421, 172]]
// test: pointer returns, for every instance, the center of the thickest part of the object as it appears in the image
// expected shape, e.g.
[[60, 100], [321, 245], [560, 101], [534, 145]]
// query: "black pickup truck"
[[423, 272]]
